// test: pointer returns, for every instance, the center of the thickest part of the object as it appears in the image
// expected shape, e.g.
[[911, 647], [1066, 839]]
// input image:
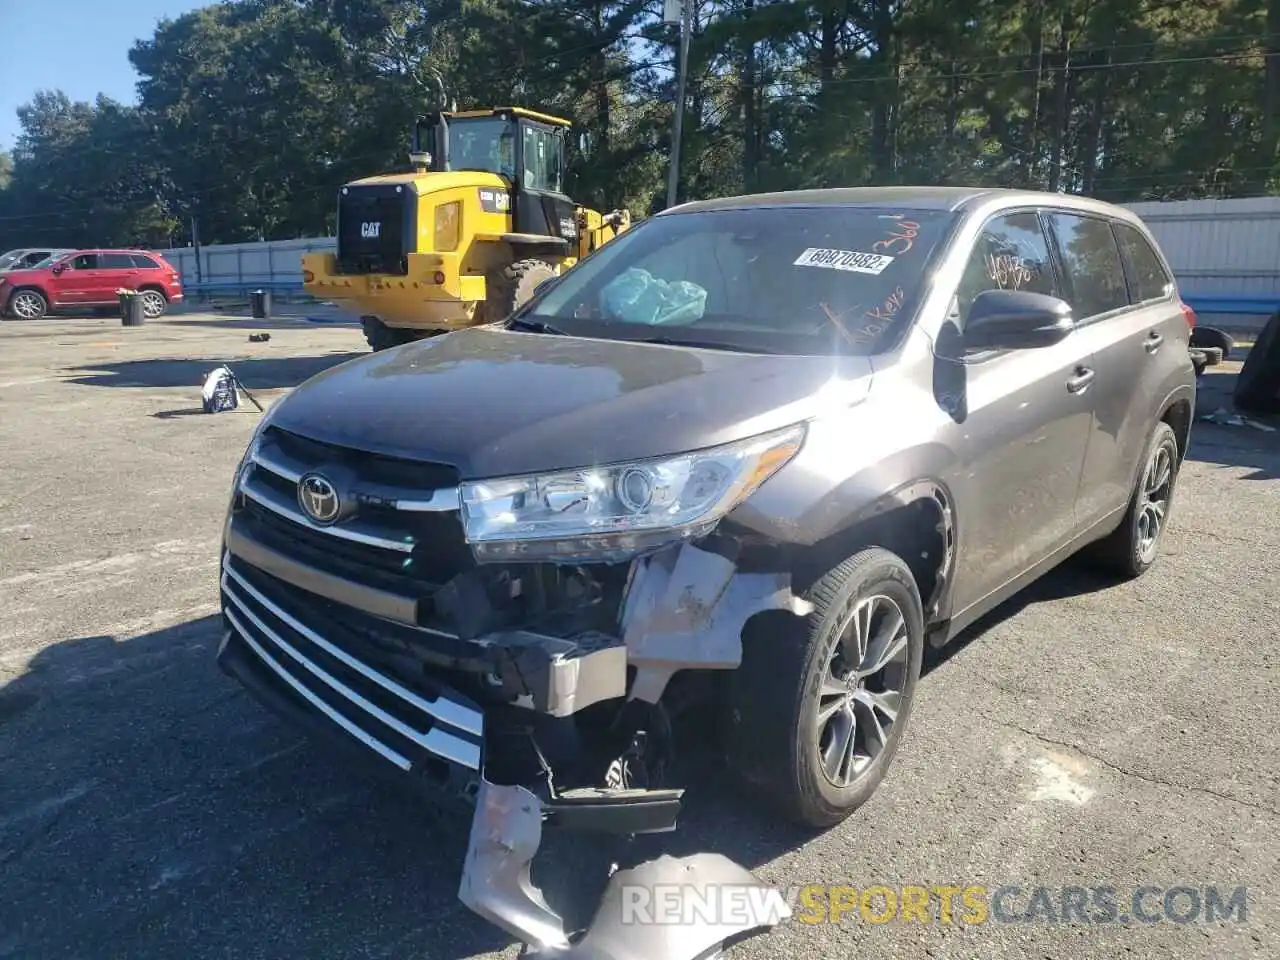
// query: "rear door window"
[[144, 263], [1148, 279], [1095, 280], [116, 261], [1012, 253]]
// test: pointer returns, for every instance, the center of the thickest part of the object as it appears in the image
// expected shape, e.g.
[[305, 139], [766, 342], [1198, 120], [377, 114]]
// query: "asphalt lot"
[[1086, 735]]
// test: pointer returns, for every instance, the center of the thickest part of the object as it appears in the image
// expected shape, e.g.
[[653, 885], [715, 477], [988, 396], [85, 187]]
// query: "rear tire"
[[1131, 549], [27, 305], [812, 721], [154, 303]]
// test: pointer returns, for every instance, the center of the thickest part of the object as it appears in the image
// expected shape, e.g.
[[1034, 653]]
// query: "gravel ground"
[[1086, 735]]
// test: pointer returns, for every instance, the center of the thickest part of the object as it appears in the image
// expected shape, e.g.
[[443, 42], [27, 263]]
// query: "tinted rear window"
[[1148, 279], [116, 261], [145, 263], [1095, 278], [788, 280]]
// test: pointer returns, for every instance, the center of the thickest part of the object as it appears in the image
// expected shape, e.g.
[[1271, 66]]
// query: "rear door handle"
[[1152, 343], [1084, 376]]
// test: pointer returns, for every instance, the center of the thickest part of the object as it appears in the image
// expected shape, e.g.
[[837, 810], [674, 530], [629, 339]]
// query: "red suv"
[[90, 278]]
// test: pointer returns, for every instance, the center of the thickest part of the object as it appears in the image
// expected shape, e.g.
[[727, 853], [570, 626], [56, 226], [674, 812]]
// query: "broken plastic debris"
[[1226, 418]]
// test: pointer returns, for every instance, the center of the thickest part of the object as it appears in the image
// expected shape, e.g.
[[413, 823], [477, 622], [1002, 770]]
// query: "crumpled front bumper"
[[685, 609], [506, 833]]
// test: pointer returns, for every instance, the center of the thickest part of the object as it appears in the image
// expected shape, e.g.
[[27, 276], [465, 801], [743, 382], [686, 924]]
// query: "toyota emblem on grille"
[[319, 498]]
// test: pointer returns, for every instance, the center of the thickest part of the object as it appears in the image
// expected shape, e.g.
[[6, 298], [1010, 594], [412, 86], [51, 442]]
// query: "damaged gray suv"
[[755, 454]]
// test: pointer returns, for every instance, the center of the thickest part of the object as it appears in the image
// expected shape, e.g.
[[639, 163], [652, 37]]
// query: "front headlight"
[[615, 510], [246, 458], [448, 226]]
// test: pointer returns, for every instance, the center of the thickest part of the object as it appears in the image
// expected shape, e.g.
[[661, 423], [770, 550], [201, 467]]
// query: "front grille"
[[405, 533], [377, 227], [412, 725]]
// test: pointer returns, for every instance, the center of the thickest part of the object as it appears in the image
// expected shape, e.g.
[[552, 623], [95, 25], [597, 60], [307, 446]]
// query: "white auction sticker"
[[843, 260]]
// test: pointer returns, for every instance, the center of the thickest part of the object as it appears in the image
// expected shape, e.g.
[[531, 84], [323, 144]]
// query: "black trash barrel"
[[261, 303], [131, 314]]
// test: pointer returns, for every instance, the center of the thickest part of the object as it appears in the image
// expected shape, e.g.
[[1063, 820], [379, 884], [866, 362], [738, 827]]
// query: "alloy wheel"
[[861, 693], [1153, 503], [152, 304], [27, 306]]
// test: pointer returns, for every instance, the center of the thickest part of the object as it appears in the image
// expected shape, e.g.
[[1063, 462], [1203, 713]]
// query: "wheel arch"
[[156, 287], [1178, 412], [915, 520], [33, 287]]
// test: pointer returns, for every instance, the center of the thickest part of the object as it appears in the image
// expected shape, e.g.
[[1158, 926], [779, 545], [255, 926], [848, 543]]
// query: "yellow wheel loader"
[[466, 237]]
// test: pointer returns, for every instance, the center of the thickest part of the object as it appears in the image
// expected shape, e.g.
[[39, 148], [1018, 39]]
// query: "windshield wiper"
[[667, 341], [533, 326]]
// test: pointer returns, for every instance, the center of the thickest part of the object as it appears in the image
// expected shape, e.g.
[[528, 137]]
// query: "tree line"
[[251, 114]]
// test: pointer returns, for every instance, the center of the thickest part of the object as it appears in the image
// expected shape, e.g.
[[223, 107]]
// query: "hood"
[[494, 402]]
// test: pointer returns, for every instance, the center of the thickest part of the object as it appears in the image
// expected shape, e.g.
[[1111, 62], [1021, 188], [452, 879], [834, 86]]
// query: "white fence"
[[1219, 249], [236, 267]]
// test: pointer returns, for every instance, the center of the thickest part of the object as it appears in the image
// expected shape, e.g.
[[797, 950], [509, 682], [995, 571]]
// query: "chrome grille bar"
[[451, 713], [436, 501], [351, 728], [436, 741], [355, 531]]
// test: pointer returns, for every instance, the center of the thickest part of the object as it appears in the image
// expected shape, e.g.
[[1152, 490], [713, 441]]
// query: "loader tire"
[[381, 337], [511, 286]]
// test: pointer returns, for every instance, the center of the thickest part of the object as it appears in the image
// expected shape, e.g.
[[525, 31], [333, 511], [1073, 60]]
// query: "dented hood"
[[494, 402]]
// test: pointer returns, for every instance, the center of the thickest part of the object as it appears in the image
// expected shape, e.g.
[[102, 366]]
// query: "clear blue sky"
[[78, 46]]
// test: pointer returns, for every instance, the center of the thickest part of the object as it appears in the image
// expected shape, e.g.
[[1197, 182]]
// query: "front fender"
[[841, 478]]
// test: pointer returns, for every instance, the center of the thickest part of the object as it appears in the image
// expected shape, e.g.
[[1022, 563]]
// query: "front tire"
[[1131, 549], [28, 305], [508, 289], [816, 714]]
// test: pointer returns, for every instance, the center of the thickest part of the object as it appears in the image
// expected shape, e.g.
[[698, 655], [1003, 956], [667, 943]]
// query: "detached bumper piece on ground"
[[532, 725]]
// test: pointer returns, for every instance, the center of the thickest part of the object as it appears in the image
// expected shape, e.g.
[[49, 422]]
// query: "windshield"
[[10, 258], [797, 280], [482, 143]]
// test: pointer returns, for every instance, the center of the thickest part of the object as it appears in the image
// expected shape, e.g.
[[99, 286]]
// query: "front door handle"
[[1084, 376], [1152, 343]]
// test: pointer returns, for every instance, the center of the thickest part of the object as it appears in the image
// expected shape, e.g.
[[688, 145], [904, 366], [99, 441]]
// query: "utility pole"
[[680, 11], [195, 243]]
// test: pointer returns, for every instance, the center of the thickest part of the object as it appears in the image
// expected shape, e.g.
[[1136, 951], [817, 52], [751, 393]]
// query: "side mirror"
[[543, 286], [1016, 320], [57, 268]]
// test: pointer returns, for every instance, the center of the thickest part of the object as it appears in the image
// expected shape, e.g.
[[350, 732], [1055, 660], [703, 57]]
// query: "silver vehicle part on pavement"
[[505, 833], [496, 883]]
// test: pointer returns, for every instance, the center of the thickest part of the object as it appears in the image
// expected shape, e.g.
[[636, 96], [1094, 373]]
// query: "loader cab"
[[526, 148]]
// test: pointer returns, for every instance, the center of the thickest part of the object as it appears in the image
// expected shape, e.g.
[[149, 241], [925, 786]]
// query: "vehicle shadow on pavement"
[[260, 373], [149, 807], [1074, 577], [148, 803]]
